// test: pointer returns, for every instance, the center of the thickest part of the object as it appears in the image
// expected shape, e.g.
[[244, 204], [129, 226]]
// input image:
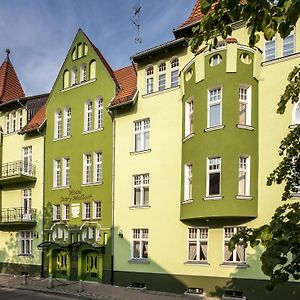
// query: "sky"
[[39, 33]]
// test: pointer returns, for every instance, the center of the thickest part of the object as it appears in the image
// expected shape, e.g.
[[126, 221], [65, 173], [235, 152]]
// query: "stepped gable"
[[127, 78], [10, 86]]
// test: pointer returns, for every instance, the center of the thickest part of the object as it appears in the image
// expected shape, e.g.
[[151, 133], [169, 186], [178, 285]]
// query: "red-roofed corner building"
[[21, 175]]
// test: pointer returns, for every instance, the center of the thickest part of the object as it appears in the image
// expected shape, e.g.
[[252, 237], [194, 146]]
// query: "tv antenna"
[[135, 19]]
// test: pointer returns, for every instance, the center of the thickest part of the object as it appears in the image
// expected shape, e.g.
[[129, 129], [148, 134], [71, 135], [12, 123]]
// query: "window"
[[238, 254], [149, 80], [270, 50], [92, 69], [83, 75], [215, 60], [245, 105], [14, 121], [56, 212], [189, 117], [86, 210], [27, 161], [87, 168], [214, 107], [20, 113], [197, 244], [296, 114], [141, 135], [244, 175], [88, 116], [98, 114], [139, 243], [214, 176], [66, 80], [97, 167], [174, 72], [162, 76], [57, 173], [91, 233], [188, 181], [65, 212], [66, 172], [7, 123], [289, 45], [26, 240], [141, 190], [67, 127], [74, 79], [58, 125], [26, 200], [97, 210]]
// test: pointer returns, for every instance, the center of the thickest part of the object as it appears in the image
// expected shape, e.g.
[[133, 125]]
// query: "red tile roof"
[[37, 120], [127, 78], [10, 86]]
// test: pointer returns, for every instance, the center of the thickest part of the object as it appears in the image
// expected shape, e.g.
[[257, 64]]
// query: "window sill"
[[197, 263], [140, 152], [160, 92], [214, 197], [85, 219], [61, 187], [12, 133], [243, 197], [188, 137], [295, 195], [241, 265], [292, 126], [92, 183], [26, 255], [93, 130], [213, 128], [62, 138], [247, 127], [139, 206], [139, 261], [281, 59], [188, 201], [78, 85], [65, 220]]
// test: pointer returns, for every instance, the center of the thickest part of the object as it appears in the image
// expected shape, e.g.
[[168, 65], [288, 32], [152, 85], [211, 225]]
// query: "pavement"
[[86, 290]]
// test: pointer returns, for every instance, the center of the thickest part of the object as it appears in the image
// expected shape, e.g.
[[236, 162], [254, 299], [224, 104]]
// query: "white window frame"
[[286, 42], [13, 121], [97, 167], [88, 116], [214, 162], [58, 124], [56, 212], [98, 114], [27, 160], [174, 70], [26, 203], [26, 242], [149, 80], [267, 43], [245, 99], [74, 76], [57, 173], [244, 175], [83, 73], [198, 236], [211, 102], [226, 238], [87, 169], [141, 182], [67, 121], [20, 119], [141, 129], [97, 210], [140, 236], [7, 123], [189, 117], [188, 181], [295, 117], [86, 210], [66, 171], [65, 212], [162, 76]]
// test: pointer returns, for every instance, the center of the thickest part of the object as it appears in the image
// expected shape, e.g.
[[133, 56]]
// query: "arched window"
[[66, 79], [149, 80], [162, 76], [67, 119], [79, 50], [74, 76], [174, 72], [85, 49], [296, 114], [92, 69], [83, 76], [58, 125], [74, 53]]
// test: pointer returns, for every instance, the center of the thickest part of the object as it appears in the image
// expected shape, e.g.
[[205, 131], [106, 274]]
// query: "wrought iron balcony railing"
[[17, 168], [18, 215]]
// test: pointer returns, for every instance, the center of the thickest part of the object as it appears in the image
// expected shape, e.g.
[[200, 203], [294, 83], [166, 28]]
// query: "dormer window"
[[83, 75], [162, 76]]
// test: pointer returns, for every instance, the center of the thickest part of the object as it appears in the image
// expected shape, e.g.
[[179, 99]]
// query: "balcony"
[[17, 172], [18, 216]]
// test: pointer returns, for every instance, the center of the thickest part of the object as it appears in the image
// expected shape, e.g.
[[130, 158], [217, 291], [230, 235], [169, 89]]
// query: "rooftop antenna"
[[135, 19]]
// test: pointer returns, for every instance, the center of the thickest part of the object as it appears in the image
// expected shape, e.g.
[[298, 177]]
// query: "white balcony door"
[[27, 160], [26, 199]]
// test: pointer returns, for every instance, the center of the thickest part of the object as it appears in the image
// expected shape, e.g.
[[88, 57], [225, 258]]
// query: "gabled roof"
[[36, 122], [10, 86], [127, 78]]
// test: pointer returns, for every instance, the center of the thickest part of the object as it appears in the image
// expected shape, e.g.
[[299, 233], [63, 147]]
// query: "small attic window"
[[189, 74], [66, 79], [79, 50], [85, 49], [74, 53], [92, 69], [215, 60], [245, 58]]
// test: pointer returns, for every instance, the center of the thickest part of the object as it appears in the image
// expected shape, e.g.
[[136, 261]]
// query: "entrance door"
[[91, 266], [62, 264]]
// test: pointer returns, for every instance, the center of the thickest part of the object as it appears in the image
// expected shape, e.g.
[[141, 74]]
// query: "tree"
[[280, 238]]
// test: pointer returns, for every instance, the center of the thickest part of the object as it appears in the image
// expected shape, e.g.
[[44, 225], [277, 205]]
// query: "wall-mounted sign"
[[75, 210], [76, 195]]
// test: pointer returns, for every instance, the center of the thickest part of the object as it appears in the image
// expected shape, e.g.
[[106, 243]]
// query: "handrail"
[[19, 167], [18, 214]]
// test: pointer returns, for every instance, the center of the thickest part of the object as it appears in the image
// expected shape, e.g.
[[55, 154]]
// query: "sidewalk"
[[86, 290]]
